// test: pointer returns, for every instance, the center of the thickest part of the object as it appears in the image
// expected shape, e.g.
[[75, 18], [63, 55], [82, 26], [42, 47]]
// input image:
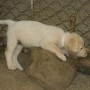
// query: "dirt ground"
[[81, 82], [18, 80]]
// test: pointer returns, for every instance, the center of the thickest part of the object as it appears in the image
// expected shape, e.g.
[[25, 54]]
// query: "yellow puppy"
[[33, 33]]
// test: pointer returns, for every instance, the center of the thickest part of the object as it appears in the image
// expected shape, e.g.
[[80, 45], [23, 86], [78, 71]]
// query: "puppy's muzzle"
[[83, 52]]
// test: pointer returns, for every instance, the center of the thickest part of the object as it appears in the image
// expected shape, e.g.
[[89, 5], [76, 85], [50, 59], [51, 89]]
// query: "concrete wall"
[[55, 12]]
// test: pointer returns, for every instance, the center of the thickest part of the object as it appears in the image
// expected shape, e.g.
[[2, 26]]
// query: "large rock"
[[47, 68]]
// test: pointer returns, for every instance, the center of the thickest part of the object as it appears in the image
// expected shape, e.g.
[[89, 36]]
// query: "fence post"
[[32, 9], [72, 23]]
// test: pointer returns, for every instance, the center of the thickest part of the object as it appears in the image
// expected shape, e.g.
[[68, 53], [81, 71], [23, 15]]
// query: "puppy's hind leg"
[[11, 45], [16, 53]]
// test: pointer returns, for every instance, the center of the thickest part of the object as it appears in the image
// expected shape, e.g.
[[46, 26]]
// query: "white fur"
[[32, 33]]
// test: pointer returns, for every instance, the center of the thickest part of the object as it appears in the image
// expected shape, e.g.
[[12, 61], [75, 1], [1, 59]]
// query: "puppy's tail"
[[7, 22]]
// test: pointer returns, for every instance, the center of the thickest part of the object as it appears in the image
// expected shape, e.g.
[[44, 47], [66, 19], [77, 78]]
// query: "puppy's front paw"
[[62, 57]]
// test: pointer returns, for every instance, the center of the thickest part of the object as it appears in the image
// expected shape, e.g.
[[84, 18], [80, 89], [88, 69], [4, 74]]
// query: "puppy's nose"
[[87, 52]]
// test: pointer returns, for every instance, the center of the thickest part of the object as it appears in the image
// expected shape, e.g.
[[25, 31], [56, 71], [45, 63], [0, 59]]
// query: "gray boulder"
[[47, 68]]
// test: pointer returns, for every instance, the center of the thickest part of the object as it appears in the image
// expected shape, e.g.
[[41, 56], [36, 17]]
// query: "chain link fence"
[[54, 12]]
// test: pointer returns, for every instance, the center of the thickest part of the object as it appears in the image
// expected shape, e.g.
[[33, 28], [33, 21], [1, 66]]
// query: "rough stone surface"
[[50, 70], [81, 82], [16, 80]]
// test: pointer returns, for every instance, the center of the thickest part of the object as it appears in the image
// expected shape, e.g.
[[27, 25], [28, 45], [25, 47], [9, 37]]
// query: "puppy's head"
[[75, 45]]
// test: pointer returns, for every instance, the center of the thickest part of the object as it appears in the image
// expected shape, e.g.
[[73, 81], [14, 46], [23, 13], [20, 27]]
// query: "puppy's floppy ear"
[[72, 44]]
